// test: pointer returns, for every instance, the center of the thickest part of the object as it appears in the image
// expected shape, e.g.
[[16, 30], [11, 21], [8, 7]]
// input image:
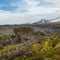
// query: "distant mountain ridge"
[[47, 21]]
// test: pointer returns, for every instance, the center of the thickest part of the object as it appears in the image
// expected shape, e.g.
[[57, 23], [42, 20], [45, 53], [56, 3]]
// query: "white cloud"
[[54, 3], [33, 12], [46, 6]]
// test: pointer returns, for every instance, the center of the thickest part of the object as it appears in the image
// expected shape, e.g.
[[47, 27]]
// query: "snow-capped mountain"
[[45, 21], [42, 21]]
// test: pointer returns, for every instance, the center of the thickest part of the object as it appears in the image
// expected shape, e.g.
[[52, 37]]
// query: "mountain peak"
[[47, 21], [42, 21]]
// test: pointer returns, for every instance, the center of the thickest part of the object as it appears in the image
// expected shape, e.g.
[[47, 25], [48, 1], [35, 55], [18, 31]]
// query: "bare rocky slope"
[[46, 28]]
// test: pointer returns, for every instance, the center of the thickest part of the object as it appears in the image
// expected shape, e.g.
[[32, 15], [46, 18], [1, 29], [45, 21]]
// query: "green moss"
[[18, 58]]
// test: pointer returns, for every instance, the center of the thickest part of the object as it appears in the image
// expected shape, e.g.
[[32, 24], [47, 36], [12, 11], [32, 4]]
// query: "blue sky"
[[27, 11]]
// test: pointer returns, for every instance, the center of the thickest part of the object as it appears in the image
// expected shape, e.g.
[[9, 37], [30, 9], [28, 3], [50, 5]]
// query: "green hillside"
[[29, 45]]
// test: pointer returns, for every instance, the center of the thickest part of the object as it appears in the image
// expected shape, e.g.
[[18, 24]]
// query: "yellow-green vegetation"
[[41, 47]]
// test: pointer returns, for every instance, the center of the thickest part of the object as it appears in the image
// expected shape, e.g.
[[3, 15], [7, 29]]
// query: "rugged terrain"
[[30, 42], [46, 28]]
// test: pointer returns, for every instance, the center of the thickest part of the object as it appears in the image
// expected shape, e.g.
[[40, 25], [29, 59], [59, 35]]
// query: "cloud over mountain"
[[28, 8]]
